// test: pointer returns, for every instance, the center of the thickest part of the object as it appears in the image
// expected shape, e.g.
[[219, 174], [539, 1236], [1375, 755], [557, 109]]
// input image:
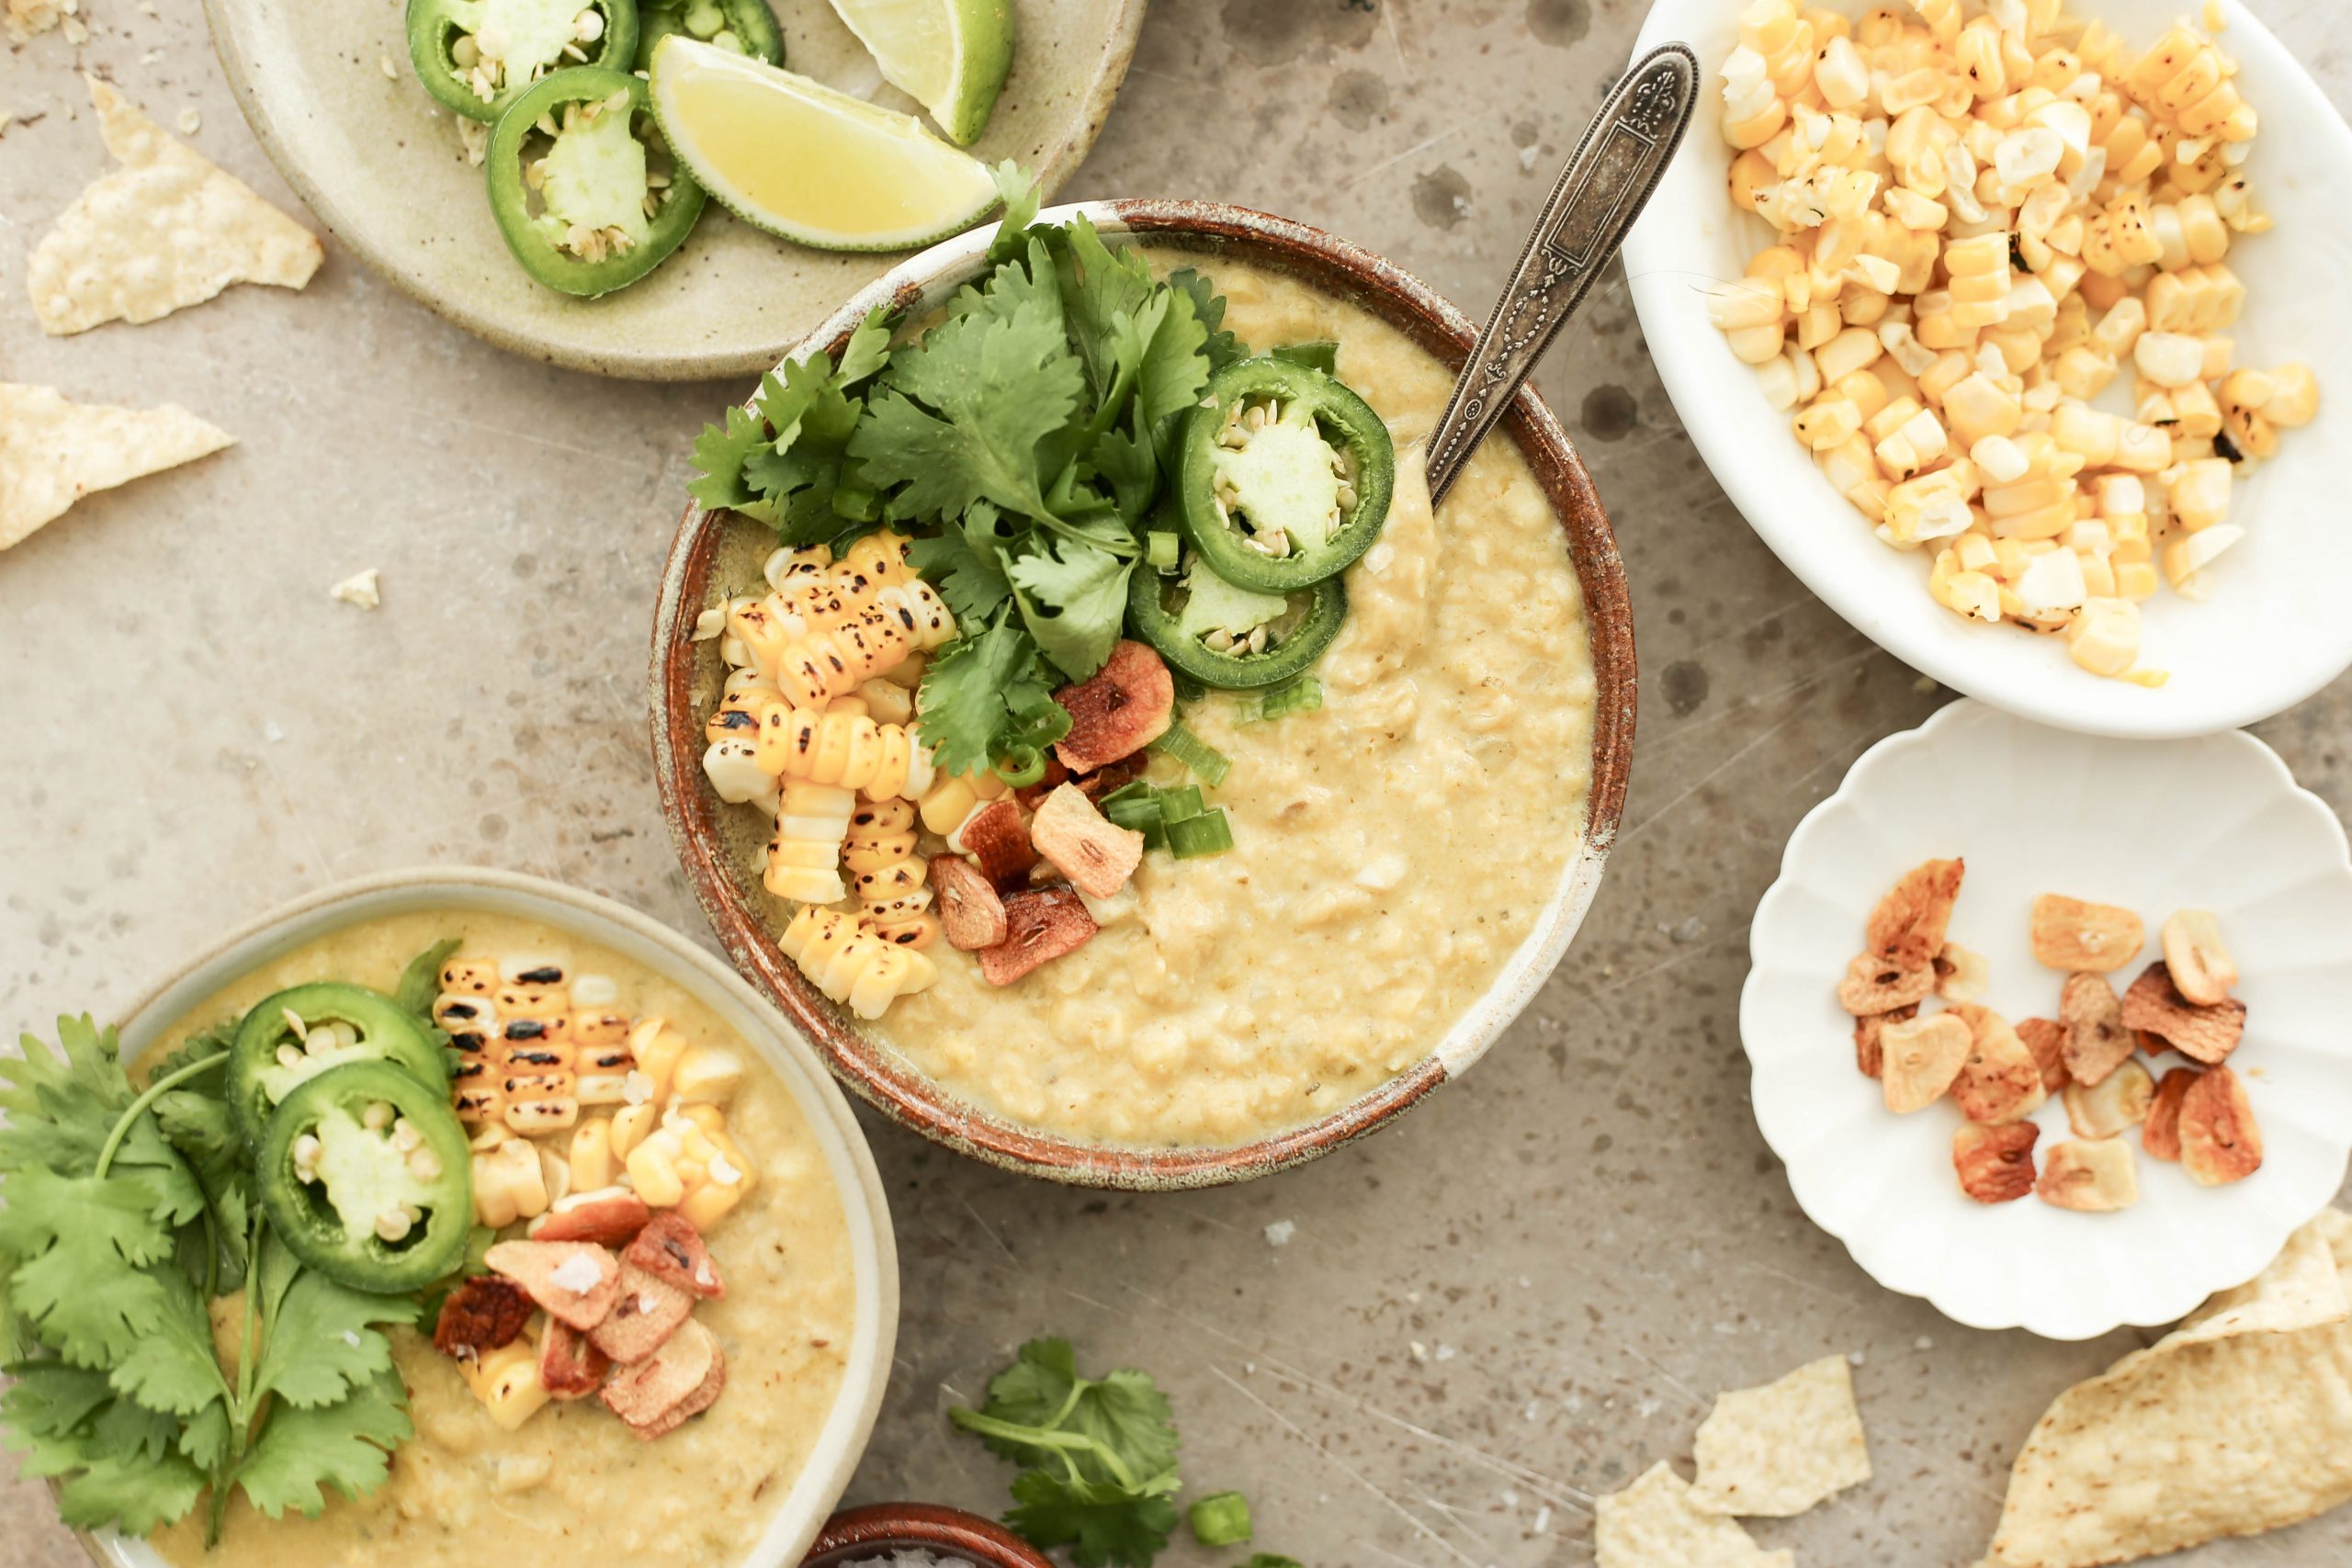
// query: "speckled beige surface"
[[1520, 1295]]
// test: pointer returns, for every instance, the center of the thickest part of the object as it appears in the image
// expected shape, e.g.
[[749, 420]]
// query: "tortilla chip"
[[1774, 1451], [1653, 1524], [53, 453], [163, 231], [2235, 1424]]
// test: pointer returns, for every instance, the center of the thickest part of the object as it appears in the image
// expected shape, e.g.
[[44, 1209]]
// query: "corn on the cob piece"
[[850, 965], [888, 875], [804, 857], [843, 747]]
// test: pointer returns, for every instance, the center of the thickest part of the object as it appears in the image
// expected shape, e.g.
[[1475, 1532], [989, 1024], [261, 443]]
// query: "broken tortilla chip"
[[52, 453], [163, 231], [1774, 1451], [2235, 1423], [1654, 1524]]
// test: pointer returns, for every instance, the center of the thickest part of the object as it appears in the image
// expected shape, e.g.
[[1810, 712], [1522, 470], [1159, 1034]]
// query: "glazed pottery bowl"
[[855, 1536], [801, 1512], [2033, 810], [2272, 631], [717, 844]]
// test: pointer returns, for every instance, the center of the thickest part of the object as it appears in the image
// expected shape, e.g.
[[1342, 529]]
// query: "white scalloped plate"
[[2214, 823]]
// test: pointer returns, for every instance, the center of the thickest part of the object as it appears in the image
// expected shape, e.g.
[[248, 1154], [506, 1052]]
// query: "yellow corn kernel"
[[707, 1075], [510, 1184], [631, 1125], [507, 1382], [2294, 397], [657, 1047], [709, 1203], [1932, 506], [2083, 373], [2195, 414], [653, 1170], [2135, 580], [2098, 574], [1969, 594], [1978, 406], [2104, 639], [591, 1155], [2199, 492], [1829, 421], [1853, 350]]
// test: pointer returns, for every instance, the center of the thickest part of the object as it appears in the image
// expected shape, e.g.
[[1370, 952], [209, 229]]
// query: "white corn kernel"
[[2169, 359], [2000, 459]]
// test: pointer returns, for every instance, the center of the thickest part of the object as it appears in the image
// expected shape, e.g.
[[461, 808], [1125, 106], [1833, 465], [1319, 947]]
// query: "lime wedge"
[[798, 159], [950, 56]]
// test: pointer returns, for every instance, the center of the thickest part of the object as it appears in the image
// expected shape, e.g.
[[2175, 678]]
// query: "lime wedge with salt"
[[798, 159], [951, 56]]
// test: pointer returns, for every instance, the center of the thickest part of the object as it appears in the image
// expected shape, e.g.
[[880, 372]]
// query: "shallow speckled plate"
[[2215, 823], [380, 164]]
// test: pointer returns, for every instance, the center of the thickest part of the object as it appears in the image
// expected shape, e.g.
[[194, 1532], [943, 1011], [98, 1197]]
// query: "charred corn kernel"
[[1830, 420], [509, 1184], [2184, 78], [2196, 415], [631, 1125], [785, 568], [2104, 636], [707, 1075], [1933, 506], [837, 747], [2199, 492], [469, 977], [592, 1165], [653, 1170], [882, 557], [1970, 594], [851, 965], [480, 1103], [507, 1382]]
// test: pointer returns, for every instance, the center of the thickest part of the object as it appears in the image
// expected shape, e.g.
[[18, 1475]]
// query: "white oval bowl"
[[2214, 823], [873, 1251], [2273, 631]]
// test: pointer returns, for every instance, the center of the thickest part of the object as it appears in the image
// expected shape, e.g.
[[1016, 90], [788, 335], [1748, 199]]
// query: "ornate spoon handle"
[[1617, 165]]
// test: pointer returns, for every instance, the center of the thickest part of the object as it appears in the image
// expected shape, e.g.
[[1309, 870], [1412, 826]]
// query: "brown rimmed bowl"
[[859, 1535], [718, 847]]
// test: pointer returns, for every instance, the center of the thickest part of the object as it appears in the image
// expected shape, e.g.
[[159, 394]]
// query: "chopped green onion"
[[1136, 813], [1181, 805], [1302, 695], [1207, 834], [1196, 753], [1322, 355], [1022, 766], [1163, 550], [1222, 1519]]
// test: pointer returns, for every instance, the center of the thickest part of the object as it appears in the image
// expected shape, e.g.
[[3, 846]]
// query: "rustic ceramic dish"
[[874, 1253], [863, 1535], [2033, 811], [2273, 631], [379, 164], [717, 849]]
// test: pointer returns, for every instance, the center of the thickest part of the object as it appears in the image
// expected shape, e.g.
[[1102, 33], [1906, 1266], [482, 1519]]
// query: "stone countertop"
[[1432, 1348]]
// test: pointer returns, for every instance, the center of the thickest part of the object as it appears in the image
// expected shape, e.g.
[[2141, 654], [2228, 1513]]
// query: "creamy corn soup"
[[1390, 850], [575, 1485]]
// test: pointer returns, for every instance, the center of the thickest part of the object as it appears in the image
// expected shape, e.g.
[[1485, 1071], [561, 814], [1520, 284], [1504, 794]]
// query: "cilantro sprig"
[[123, 1211], [1099, 1456], [1025, 438]]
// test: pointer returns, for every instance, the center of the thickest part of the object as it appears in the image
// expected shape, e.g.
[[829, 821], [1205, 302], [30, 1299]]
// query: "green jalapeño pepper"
[[476, 57], [1224, 636], [366, 1176], [1285, 475], [583, 186], [297, 1034], [747, 26]]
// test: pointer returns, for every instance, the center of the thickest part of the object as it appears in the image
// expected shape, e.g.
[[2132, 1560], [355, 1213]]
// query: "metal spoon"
[[1609, 180]]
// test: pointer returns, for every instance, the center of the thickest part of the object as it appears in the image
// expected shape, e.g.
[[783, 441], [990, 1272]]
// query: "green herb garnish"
[[1196, 753], [1221, 1519], [1099, 1456]]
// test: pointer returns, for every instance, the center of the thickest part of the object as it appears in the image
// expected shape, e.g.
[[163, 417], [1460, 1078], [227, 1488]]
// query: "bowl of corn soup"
[[789, 1306], [2082, 278], [1212, 1017]]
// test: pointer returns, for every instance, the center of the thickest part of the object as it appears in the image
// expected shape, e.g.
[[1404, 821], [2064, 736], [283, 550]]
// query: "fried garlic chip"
[[163, 229], [1654, 1523], [1774, 1451], [2233, 1424], [53, 453]]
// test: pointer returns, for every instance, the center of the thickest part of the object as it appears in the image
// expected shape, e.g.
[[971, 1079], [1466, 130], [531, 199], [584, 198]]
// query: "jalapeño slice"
[[529, 40], [1229, 637], [1285, 475], [366, 1176], [339, 1024], [582, 185], [747, 26]]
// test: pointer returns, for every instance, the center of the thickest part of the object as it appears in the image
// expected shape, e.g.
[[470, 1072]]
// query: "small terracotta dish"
[[721, 861], [869, 1534]]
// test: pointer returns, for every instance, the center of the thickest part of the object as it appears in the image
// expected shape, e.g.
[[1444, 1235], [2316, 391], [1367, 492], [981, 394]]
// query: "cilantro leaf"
[[134, 1493], [868, 347], [1273, 1559], [971, 581], [1208, 307], [959, 420], [962, 697], [1018, 189], [1100, 1522], [1176, 365], [347, 1446], [420, 981], [319, 1341], [721, 452], [1073, 599], [83, 1244], [1100, 285], [172, 1368]]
